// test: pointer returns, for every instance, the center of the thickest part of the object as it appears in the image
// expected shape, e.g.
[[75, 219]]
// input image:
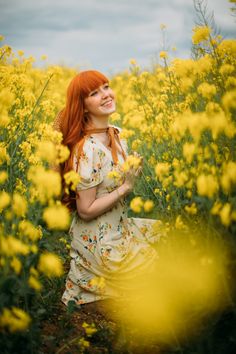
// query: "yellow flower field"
[[180, 117]]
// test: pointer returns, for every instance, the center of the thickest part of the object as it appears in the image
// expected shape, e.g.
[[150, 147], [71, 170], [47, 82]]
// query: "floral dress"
[[111, 243]]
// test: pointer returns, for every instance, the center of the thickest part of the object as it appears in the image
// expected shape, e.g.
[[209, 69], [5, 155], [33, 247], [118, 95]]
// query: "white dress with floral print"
[[111, 243]]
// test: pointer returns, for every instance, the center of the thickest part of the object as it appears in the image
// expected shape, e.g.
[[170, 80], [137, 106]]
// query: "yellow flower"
[[63, 153], [163, 54], [57, 217], [162, 169], [226, 69], [83, 343], [50, 265], [131, 162], [191, 209], [216, 207], [207, 185], [46, 151], [206, 90], [19, 204], [181, 178], [200, 34], [89, 328], [136, 144], [148, 206], [115, 117], [3, 154], [26, 228], [126, 133], [133, 61], [115, 175], [162, 26], [72, 178], [20, 53], [189, 149], [46, 184], [179, 224], [225, 214], [15, 319], [34, 248], [34, 283], [229, 100], [4, 200], [16, 265], [3, 176], [136, 204], [43, 57], [228, 178], [34, 271], [11, 246]]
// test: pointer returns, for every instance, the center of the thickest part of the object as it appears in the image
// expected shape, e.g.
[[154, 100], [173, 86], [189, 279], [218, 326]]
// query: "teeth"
[[107, 103]]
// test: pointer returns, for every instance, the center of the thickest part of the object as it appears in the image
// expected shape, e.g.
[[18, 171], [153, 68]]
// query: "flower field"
[[181, 117]]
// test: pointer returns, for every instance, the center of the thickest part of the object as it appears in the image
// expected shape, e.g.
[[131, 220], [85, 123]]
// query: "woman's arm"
[[89, 207]]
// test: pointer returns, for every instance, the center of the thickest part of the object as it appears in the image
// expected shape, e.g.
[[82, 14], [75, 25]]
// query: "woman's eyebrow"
[[98, 87]]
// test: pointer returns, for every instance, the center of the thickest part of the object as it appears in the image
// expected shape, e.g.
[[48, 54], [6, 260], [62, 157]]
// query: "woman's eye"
[[93, 93]]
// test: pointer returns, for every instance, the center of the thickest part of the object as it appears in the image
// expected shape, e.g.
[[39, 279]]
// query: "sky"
[[105, 34]]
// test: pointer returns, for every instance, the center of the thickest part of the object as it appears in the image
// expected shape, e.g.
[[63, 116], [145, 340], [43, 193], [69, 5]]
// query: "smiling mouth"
[[107, 103]]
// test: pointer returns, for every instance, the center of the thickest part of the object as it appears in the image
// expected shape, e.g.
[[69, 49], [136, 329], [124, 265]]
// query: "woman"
[[108, 249]]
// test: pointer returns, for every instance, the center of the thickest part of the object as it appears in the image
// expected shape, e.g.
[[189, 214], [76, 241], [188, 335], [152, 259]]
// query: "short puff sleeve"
[[89, 167]]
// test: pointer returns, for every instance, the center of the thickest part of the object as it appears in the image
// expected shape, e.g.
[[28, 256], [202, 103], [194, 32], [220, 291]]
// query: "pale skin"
[[88, 206]]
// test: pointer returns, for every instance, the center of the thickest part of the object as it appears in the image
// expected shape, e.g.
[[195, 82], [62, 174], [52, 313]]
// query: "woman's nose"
[[104, 93]]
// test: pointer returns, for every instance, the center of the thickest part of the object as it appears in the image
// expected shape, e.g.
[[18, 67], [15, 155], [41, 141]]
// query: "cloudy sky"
[[104, 34]]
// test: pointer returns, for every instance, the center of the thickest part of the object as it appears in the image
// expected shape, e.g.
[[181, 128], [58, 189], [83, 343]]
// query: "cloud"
[[103, 34]]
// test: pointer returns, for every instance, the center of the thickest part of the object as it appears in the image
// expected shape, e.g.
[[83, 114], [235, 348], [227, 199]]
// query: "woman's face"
[[100, 102]]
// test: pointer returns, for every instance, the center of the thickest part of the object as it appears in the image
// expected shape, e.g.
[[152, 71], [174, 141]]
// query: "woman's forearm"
[[104, 203]]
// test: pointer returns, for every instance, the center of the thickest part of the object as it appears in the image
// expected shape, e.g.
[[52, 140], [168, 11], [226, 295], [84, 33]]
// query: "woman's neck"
[[99, 122]]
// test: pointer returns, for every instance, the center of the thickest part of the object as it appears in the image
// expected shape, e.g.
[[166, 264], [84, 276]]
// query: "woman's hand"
[[132, 173]]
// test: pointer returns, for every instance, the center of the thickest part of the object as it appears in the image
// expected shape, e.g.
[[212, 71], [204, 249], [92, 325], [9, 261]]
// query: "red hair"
[[73, 121]]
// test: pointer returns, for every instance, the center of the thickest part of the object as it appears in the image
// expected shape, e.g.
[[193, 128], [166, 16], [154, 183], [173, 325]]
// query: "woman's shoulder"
[[116, 126]]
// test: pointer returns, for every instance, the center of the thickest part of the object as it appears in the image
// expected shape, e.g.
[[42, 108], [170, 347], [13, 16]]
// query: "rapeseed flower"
[[57, 217], [34, 283], [26, 228], [206, 90], [5, 200], [19, 204], [228, 178], [46, 151], [72, 178], [50, 265], [89, 328], [136, 204], [207, 185], [191, 209], [16, 265], [3, 176], [162, 169], [131, 162], [163, 54], [46, 183], [148, 205], [225, 214], [15, 319], [200, 34]]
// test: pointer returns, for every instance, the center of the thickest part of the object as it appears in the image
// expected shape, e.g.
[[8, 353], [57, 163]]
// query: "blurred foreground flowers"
[[189, 284]]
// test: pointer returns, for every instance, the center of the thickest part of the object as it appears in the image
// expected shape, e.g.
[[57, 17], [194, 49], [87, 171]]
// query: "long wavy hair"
[[73, 122]]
